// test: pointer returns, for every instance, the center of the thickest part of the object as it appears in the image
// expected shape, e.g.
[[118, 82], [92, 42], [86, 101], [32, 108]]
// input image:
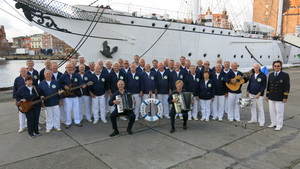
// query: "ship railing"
[[58, 8], [147, 12]]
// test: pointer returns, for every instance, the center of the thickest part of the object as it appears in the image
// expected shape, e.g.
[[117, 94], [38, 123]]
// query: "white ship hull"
[[134, 36]]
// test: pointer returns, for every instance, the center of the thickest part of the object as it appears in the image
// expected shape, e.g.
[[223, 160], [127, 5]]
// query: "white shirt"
[[194, 76], [126, 70], [226, 71], [276, 73], [217, 75], [98, 76], [235, 72], [206, 82], [162, 73], [148, 73], [48, 82], [31, 72], [109, 70], [133, 75], [255, 75], [177, 73], [55, 75], [117, 74], [30, 90]]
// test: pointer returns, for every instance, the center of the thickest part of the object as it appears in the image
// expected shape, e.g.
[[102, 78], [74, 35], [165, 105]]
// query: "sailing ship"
[[101, 32]]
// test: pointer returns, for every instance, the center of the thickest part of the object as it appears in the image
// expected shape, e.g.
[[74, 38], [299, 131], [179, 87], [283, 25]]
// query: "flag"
[[265, 70]]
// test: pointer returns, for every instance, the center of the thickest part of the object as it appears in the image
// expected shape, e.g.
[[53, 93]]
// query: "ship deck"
[[210, 144]]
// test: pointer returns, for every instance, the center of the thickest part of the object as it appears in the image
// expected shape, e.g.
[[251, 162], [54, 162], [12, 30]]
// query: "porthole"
[[153, 24], [269, 56], [234, 56], [221, 32], [132, 22], [166, 25], [204, 55], [194, 29], [183, 28], [212, 31], [190, 54], [278, 56], [228, 33], [242, 56], [260, 56], [203, 30], [218, 56]]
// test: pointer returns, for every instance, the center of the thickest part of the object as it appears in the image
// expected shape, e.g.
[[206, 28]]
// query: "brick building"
[[266, 12], [51, 42], [4, 44], [216, 20]]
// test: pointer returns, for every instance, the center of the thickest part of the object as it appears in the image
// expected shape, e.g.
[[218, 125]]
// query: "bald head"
[[256, 68], [23, 72], [160, 66], [234, 66]]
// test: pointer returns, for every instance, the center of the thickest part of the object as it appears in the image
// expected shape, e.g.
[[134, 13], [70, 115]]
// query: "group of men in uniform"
[[159, 80]]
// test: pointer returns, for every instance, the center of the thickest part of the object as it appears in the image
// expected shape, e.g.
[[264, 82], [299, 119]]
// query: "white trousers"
[[276, 109], [152, 105], [85, 101], [205, 108], [63, 117], [226, 105], [52, 117], [194, 112], [137, 105], [233, 107], [22, 120], [218, 107], [99, 104], [164, 100], [69, 105], [257, 109]]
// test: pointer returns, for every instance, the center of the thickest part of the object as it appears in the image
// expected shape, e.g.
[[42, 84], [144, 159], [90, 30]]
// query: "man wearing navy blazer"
[[226, 69], [141, 68], [55, 73], [134, 85], [85, 100], [47, 67], [48, 87], [149, 81], [191, 84], [113, 79], [97, 92], [154, 65], [125, 67], [163, 88]]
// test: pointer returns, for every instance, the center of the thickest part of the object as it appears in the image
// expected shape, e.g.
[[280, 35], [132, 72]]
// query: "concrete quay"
[[205, 145]]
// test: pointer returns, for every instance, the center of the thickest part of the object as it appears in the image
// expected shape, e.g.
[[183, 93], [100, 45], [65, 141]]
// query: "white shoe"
[[136, 119], [261, 125], [89, 120], [104, 120], [207, 120], [48, 131], [238, 120], [277, 128], [168, 117], [58, 129], [230, 120], [202, 119], [40, 127], [251, 122], [195, 118], [214, 118], [181, 117], [95, 122], [272, 125], [190, 118], [123, 118], [21, 130], [220, 120], [42, 122]]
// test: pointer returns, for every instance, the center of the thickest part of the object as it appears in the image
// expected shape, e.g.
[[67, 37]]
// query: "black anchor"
[[106, 50]]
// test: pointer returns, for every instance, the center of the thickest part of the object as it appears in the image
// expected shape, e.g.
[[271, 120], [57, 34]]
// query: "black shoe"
[[37, 134], [172, 130], [79, 125], [184, 127], [116, 132], [129, 132], [31, 136], [67, 126]]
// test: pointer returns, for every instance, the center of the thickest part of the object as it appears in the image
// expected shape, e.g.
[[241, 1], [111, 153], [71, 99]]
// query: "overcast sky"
[[238, 10]]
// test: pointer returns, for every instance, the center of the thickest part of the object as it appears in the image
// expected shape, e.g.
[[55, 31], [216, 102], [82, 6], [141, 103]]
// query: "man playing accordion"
[[113, 116]]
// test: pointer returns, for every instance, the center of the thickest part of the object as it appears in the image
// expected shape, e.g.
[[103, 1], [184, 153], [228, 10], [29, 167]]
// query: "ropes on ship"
[[78, 46]]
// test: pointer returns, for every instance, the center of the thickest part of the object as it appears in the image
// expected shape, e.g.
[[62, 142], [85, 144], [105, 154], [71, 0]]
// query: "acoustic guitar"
[[239, 81], [24, 107]]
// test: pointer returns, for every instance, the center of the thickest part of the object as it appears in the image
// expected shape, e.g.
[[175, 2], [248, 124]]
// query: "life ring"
[[144, 110]]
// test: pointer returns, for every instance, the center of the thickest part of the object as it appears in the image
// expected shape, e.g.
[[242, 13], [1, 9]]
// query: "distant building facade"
[[266, 12], [51, 42]]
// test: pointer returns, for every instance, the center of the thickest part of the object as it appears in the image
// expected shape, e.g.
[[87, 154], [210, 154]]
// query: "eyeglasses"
[[276, 65], [126, 63]]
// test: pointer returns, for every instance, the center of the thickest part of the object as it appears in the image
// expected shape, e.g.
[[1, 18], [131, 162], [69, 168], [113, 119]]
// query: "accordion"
[[126, 102], [184, 101]]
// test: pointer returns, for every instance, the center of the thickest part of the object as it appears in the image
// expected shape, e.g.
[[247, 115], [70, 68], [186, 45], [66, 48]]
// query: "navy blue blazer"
[[42, 76], [174, 78], [163, 83], [220, 86], [35, 75], [58, 76], [257, 85], [123, 70], [19, 82], [85, 78], [113, 80], [89, 72], [149, 82], [24, 93], [46, 90], [100, 86], [153, 70], [66, 80], [278, 88], [230, 75], [140, 70], [133, 85], [192, 85], [86, 68], [198, 70], [207, 91]]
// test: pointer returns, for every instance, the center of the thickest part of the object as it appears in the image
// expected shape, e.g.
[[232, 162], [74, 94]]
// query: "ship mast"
[[196, 10], [280, 14]]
